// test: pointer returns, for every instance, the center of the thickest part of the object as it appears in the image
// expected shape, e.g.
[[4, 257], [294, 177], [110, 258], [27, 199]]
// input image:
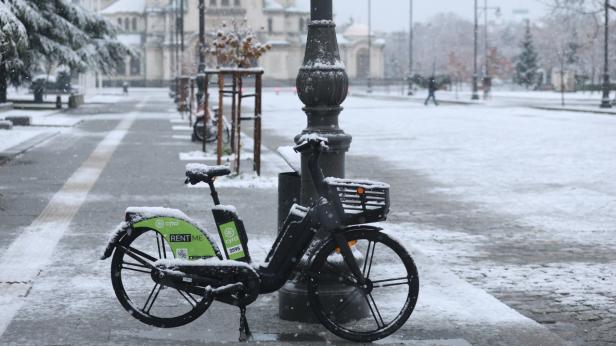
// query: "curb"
[[576, 110], [20, 148], [416, 100]]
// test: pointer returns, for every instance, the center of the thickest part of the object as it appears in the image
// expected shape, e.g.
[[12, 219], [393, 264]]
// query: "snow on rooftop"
[[272, 5], [130, 39], [125, 6]]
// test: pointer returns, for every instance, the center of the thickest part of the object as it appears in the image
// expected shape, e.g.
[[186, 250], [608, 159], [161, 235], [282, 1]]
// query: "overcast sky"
[[392, 15]]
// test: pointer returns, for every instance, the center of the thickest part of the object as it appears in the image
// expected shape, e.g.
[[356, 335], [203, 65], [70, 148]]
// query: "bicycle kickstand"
[[245, 334]]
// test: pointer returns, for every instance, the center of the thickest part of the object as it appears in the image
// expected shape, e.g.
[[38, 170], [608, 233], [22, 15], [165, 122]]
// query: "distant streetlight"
[[410, 92], [201, 69], [605, 100], [369, 46], [487, 78], [475, 95]]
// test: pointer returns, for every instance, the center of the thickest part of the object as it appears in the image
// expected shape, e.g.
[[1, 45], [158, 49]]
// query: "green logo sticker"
[[231, 240]]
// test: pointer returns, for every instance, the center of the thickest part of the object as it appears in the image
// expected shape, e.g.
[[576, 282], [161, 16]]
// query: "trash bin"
[[289, 187]]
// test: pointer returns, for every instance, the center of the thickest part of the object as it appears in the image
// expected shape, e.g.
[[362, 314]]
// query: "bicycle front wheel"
[[366, 312]]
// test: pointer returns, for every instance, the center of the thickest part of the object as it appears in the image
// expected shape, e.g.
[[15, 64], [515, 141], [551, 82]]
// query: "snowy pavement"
[[459, 187], [543, 179]]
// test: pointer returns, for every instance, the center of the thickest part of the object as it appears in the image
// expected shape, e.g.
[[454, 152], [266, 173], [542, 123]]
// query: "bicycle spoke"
[[367, 274], [142, 254], [152, 298], [158, 246], [136, 268], [366, 257], [134, 254], [162, 243], [369, 300], [192, 301], [346, 303], [347, 278], [392, 282], [135, 265]]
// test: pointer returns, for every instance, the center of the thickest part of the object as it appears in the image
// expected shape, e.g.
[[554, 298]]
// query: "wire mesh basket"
[[359, 201]]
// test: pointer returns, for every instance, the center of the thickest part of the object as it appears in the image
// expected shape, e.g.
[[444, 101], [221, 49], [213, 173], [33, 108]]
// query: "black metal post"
[[476, 72], [201, 69], [322, 85], [605, 100], [410, 91], [176, 52], [486, 78], [369, 46]]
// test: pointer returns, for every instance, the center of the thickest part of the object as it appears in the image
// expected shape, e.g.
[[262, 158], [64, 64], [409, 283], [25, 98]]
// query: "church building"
[[148, 26]]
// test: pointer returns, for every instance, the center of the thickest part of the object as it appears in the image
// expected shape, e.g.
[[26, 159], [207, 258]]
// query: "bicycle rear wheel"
[[367, 312], [148, 301]]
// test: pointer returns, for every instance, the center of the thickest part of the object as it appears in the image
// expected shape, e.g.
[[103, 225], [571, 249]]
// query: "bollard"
[[58, 102]]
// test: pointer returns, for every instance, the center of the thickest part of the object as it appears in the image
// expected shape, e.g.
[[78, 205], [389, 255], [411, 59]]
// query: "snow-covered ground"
[[553, 172], [18, 135]]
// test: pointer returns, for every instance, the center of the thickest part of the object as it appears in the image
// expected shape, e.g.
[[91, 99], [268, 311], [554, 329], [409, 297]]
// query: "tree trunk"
[[3, 82]]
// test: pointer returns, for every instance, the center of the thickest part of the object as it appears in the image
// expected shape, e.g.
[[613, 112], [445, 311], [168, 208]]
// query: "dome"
[[357, 30]]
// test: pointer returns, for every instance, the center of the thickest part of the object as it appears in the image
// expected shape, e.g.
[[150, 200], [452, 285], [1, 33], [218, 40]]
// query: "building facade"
[[149, 27]]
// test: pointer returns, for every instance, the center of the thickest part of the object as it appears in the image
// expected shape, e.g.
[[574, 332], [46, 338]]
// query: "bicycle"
[[164, 248], [211, 130]]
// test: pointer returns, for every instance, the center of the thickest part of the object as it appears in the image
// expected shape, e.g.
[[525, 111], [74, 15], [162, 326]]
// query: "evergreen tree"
[[59, 33], [526, 65], [572, 49]]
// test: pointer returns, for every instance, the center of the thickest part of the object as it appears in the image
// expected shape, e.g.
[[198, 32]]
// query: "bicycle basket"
[[359, 201]]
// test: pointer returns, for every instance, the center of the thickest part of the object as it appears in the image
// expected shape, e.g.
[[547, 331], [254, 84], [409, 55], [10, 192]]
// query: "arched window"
[[121, 68], [224, 3], [213, 3], [126, 24], [270, 25], [135, 66], [363, 62], [302, 25], [237, 3], [134, 24], [120, 22]]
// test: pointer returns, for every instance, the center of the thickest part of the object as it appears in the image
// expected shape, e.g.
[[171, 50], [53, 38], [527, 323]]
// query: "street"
[[508, 211]]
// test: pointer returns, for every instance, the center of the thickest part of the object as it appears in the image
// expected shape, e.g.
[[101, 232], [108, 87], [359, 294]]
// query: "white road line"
[[32, 250]]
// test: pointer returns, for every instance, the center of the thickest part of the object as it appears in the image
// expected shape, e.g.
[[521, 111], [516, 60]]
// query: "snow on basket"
[[359, 201]]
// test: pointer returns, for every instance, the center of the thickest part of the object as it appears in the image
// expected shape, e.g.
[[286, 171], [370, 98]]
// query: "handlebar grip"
[[302, 147]]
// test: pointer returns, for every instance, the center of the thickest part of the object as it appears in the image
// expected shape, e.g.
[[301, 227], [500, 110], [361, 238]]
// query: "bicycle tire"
[[328, 308], [197, 307], [211, 134]]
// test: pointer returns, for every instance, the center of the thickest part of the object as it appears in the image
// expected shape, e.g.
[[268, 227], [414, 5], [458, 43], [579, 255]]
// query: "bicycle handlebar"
[[311, 141], [314, 145]]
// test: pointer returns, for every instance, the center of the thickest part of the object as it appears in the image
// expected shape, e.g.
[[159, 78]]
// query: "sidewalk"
[[450, 311], [70, 301]]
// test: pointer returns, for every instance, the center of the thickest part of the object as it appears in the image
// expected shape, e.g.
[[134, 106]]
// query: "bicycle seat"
[[198, 172]]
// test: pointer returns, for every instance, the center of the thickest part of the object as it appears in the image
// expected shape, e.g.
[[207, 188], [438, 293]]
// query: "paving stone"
[[20, 120], [6, 125]]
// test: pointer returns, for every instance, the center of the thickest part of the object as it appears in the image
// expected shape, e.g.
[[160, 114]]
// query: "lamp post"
[[487, 78], [410, 92], [201, 69], [369, 46], [322, 86], [176, 51], [605, 100], [475, 95]]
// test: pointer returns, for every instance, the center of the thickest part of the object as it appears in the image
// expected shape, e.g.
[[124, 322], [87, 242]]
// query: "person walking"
[[125, 88], [432, 87]]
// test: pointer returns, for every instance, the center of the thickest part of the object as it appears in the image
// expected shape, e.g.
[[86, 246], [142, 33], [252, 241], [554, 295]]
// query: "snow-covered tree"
[[527, 64], [13, 44], [61, 33]]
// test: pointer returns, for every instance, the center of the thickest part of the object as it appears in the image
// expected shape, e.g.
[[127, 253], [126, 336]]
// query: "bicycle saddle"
[[198, 172]]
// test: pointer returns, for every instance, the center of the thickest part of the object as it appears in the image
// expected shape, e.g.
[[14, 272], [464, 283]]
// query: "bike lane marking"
[[32, 250]]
